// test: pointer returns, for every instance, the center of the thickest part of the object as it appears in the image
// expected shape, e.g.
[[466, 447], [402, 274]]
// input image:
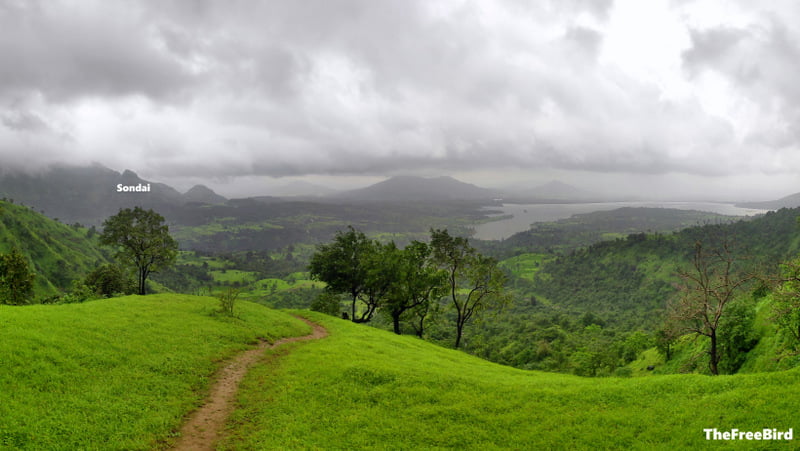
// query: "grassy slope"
[[59, 253], [118, 373], [363, 387]]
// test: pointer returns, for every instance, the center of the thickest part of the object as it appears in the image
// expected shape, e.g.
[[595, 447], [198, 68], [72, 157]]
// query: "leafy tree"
[[417, 282], [474, 282], [110, 280], [786, 305], [143, 241], [736, 334], [708, 288], [327, 302], [344, 265], [16, 278], [665, 338]]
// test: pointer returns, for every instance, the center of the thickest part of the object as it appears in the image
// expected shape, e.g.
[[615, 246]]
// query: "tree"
[[110, 280], [417, 281], [474, 282], [16, 278], [786, 305], [708, 288], [143, 241], [344, 265]]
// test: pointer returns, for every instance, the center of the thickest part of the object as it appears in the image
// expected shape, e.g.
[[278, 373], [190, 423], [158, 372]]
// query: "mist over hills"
[[411, 188], [790, 201], [89, 194]]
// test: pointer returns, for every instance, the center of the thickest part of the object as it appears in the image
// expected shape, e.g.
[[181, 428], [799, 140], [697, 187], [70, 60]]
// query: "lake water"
[[526, 214]]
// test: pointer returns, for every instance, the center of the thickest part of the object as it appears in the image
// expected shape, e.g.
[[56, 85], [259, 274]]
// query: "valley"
[[588, 305]]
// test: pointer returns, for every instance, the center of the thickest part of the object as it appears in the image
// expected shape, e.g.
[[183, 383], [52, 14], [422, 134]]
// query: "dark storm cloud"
[[213, 88], [69, 51]]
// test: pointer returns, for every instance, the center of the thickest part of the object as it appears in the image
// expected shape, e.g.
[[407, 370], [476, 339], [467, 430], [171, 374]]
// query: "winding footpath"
[[204, 426]]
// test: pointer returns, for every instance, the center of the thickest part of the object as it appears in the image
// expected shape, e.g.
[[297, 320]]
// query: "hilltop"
[[410, 188], [790, 201]]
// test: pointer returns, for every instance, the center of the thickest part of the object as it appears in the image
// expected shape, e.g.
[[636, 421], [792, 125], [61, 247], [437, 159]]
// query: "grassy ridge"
[[366, 388], [118, 373], [59, 253]]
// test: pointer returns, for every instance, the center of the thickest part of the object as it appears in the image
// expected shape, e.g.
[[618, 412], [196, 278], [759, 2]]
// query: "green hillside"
[[366, 388], [122, 374], [627, 281], [118, 373], [58, 253]]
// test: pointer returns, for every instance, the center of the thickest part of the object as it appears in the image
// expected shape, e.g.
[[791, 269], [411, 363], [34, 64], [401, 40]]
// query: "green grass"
[[118, 373], [367, 388]]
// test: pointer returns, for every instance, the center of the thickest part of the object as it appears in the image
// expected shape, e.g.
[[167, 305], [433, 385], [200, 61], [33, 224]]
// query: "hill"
[[415, 189], [117, 373], [204, 195], [59, 253], [627, 280], [790, 201], [378, 390], [80, 376], [588, 228]]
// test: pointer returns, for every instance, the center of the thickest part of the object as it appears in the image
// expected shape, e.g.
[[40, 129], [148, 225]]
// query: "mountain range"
[[87, 194]]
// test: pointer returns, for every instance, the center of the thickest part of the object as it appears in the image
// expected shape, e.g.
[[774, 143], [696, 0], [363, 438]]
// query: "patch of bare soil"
[[204, 426]]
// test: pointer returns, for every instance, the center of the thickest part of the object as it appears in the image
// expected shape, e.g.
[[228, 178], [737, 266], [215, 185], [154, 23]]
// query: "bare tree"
[[708, 287]]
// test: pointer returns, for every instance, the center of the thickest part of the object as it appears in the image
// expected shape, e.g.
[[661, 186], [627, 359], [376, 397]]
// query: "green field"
[[119, 373], [366, 388]]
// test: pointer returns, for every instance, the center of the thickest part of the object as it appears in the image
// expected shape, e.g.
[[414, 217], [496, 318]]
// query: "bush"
[[227, 300]]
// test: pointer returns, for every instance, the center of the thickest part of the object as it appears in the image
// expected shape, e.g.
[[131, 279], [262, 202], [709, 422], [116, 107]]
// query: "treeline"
[[410, 284]]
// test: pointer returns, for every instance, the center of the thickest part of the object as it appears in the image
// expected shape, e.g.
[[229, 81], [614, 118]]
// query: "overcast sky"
[[682, 96]]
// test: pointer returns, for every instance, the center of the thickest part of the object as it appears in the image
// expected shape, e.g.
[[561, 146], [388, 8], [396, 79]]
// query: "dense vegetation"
[[589, 310]]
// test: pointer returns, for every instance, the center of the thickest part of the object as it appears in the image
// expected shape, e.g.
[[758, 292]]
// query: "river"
[[523, 215]]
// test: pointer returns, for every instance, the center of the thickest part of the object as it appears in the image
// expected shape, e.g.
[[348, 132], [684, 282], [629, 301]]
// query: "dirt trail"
[[204, 426]]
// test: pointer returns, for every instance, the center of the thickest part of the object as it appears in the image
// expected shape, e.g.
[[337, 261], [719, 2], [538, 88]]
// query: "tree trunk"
[[459, 330], [396, 322], [142, 277], [714, 359]]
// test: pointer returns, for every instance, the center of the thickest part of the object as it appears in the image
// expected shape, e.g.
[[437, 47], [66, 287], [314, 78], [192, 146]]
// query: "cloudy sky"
[[659, 96]]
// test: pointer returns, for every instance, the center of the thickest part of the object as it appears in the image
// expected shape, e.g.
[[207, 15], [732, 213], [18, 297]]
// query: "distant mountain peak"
[[203, 194], [415, 188]]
